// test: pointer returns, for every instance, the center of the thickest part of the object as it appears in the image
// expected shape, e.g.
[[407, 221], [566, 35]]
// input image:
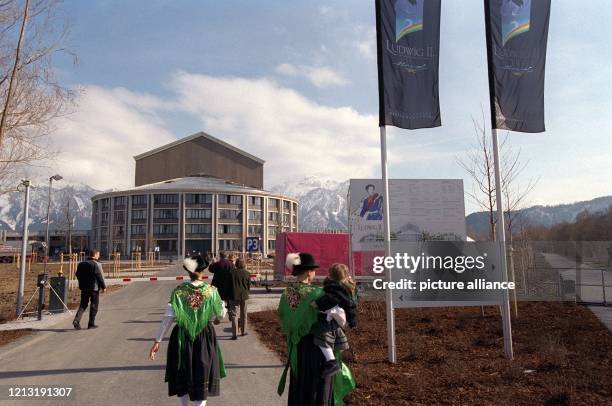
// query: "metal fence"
[[561, 271]]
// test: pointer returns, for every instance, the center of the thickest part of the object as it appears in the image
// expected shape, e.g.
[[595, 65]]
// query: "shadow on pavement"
[[20, 374], [142, 321], [239, 366]]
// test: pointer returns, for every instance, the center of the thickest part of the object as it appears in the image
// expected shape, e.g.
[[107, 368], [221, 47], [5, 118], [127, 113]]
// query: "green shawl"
[[194, 307], [297, 317]]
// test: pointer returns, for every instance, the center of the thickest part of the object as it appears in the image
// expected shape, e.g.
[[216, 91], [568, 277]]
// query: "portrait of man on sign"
[[371, 206]]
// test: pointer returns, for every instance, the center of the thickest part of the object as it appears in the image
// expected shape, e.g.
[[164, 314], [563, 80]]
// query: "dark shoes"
[[330, 368], [234, 337], [77, 325]]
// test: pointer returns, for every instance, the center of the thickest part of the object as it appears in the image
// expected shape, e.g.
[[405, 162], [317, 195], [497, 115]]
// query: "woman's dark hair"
[[370, 186]]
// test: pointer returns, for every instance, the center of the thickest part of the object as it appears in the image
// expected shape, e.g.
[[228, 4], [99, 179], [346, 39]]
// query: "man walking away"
[[91, 281], [222, 277], [241, 283]]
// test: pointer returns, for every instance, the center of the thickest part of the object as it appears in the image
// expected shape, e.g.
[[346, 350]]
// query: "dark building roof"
[[199, 154]]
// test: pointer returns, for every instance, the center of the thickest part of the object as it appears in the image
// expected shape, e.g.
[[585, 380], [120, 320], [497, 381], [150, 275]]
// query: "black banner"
[[517, 33], [408, 42]]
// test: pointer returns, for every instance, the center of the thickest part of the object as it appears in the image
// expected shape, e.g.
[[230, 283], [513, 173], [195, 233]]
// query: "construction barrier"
[[73, 261], [136, 261], [115, 281]]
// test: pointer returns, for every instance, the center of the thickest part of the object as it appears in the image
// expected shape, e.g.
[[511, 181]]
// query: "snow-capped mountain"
[[77, 197], [478, 223], [323, 205], [322, 202]]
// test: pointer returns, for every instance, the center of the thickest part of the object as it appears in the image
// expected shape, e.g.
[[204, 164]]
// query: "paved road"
[[109, 365], [590, 285]]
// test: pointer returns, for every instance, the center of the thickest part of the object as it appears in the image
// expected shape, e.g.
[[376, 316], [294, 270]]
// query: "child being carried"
[[338, 306]]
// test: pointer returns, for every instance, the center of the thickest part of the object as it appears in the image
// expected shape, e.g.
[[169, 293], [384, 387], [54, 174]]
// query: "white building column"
[[215, 236]]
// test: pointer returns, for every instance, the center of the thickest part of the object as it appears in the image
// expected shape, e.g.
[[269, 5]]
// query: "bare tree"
[[68, 215], [514, 193], [31, 99], [478, 163]]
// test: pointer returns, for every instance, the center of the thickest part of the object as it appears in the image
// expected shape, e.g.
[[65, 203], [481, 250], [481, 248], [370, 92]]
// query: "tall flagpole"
[[501, 239], [501, 228], [387, 231]]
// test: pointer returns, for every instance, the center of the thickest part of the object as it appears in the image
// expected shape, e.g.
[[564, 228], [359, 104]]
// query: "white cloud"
[[319, 76], [296, 136], [97, 143], [365, 44], [287, 69]]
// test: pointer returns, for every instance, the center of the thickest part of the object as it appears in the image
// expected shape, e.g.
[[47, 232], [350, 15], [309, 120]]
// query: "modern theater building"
[[197, 194]]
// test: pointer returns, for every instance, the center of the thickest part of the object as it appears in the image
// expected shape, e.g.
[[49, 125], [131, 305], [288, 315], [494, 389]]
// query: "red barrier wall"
[[326, 248]]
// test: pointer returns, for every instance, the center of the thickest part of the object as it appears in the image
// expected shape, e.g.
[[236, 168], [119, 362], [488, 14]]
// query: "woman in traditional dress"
[[307, 386], [194, 363]]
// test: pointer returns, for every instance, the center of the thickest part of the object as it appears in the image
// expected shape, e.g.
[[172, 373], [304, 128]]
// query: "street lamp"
[[55, 177], [24, 247]]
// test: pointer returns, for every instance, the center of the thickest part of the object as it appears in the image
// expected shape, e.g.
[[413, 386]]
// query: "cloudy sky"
[[294, 82]]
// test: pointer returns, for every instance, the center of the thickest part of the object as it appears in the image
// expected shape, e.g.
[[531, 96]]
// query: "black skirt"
[[308, 388], [198, 375]]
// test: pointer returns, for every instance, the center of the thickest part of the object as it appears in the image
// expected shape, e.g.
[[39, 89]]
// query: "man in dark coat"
[[222, 277], [91, 282], [241, 284]]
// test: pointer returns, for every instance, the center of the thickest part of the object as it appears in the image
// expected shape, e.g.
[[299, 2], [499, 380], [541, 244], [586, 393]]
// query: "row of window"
[[228, 214], [194, 214], [171, 245], [253, 230], [192, 198]]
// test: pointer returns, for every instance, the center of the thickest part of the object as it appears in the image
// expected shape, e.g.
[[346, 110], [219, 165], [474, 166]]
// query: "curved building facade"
[[189, 214]]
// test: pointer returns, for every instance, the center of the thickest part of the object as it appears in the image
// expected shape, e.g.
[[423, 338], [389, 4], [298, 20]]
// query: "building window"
[[255, 231], [198, 213], [229, 229], [273, 204], [272, 230], [273, 217], [271, 245], [164, 229], [119, 217], [255, 215], [139, 200], [119, 201], [255, 201], [198, 228], [230, 199], [118, 232], [286, 205], [165, 213], [139, 214], [105, 204], [166, 245], [193, 198], [230, 214], [295, 209], [230, 245], [104, 218], [104, 232], [165, 199], [286, 219], [138, 229]]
